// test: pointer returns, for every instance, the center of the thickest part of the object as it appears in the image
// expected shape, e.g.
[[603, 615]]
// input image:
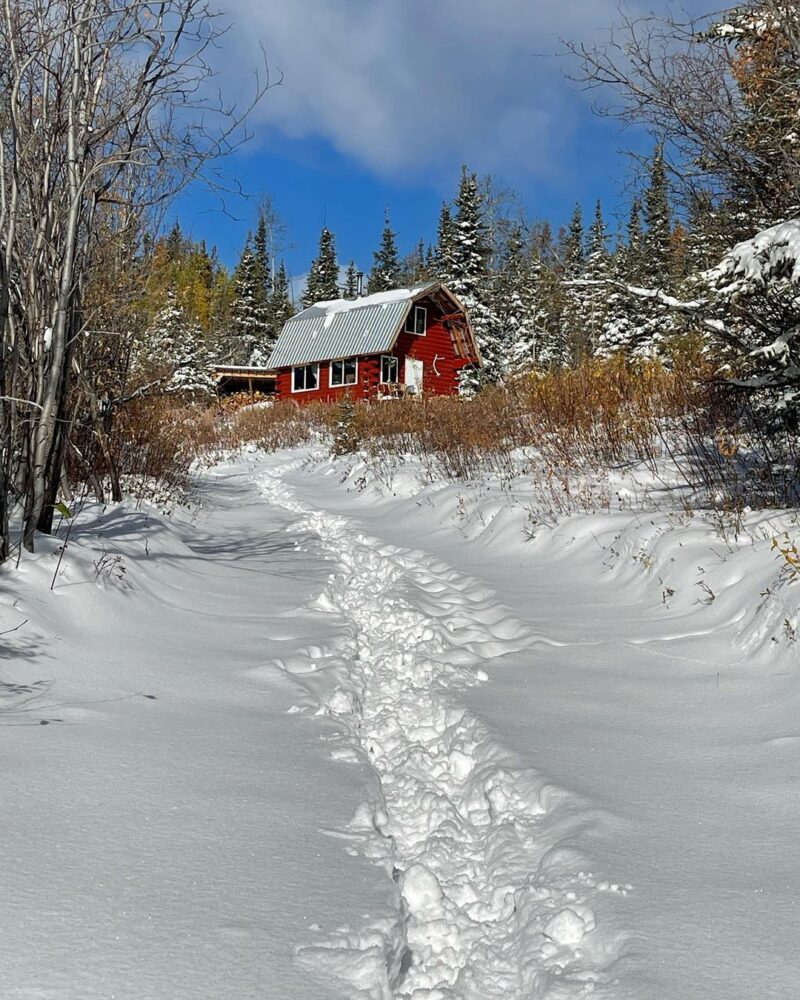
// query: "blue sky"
[[381, 102]]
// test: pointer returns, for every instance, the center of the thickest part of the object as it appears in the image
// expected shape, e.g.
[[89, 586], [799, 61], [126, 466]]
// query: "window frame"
[[396, 360], [304, 368], [342, 362], [412, 315]]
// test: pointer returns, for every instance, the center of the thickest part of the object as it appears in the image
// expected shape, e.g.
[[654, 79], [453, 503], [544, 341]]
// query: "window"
[[389, 369], [417, 321], [344, 372], [305, 377]]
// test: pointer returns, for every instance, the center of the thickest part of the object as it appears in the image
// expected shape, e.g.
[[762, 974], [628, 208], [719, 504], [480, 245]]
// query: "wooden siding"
[[436, 346], [435, 350]]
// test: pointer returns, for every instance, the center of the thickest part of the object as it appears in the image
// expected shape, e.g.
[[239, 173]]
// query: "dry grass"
[[561, 431]]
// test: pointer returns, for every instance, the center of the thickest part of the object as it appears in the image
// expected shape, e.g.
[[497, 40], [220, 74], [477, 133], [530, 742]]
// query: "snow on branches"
[[755, 291]]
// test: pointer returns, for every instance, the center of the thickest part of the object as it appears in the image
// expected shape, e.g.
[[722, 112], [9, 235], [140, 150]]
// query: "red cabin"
[[408, 341]]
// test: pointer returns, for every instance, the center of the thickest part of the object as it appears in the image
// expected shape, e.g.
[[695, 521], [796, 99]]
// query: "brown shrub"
[[561, 429]]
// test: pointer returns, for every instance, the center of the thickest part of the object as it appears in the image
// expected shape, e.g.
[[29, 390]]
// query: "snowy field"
[[315, 739]]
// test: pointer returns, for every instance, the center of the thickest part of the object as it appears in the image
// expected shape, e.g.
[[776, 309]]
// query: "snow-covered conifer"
[[281, 307], [597, 272], [350, 290], [516, 344], [172, 356], [471, 280], [249, 316], [385, 271], [323, 276], [442, 258], [262, 264], [751, 312], [657, 257], [570, 343]]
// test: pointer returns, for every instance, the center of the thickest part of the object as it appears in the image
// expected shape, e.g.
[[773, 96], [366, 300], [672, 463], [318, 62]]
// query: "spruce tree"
[[385, 271], [625, 314], [471, 280], [262, 265], [573, 338], [279, 311], [351, 281], [514, 304], [175, 242], [323, 277], [573, 253], [442, 259], [172, 353], [633, 254], [553, 349], [706, 243], [250, 328], [657, 243], [634, 325], [596, 272]]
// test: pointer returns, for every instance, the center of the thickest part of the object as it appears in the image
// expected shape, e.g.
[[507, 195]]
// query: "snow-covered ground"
[[321, 740]]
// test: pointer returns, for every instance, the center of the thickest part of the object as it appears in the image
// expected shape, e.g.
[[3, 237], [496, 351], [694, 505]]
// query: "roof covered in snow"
[[346, 328]]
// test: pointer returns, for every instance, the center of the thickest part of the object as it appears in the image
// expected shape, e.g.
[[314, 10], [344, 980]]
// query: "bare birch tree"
[[721, 92], [106, 108]]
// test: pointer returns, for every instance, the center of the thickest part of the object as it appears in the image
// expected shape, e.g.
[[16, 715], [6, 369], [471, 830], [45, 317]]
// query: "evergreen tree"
[[278, 311], [626, 316], [573, 338], [633, 255], [471, 280], [323, 277], [596, 272], [351, 281], [572, 251], [280, 302], [249, 314], [706, 242], [262, 264], [623, 313], [175, 242], [173, 354], [514, 304], [430, 261], [443, 265], [657, 261], [385, 271], [553, 349]]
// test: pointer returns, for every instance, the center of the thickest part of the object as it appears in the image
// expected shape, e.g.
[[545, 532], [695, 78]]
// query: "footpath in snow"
[[485, 907], [322, 740]]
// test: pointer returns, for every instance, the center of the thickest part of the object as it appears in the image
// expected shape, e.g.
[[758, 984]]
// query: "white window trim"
[[312, 365], [397, 366], [341, 385], [413, 312]]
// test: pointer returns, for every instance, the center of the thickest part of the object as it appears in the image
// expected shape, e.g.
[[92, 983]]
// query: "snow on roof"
[[752, 263], [344, 328], [250, 369]]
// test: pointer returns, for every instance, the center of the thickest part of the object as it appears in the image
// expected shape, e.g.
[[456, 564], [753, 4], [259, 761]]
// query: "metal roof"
[[344, 328]]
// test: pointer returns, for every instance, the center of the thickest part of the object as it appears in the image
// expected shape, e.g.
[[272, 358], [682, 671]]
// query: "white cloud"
[[413, 85]]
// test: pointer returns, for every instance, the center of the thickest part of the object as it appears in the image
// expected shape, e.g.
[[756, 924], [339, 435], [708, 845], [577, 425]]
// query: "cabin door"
[[414, 370]]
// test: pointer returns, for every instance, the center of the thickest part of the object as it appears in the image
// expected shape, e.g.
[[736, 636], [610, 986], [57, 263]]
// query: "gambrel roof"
[[346, 328]]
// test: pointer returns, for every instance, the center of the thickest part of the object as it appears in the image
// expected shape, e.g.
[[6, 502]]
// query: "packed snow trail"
[[488, 904]]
